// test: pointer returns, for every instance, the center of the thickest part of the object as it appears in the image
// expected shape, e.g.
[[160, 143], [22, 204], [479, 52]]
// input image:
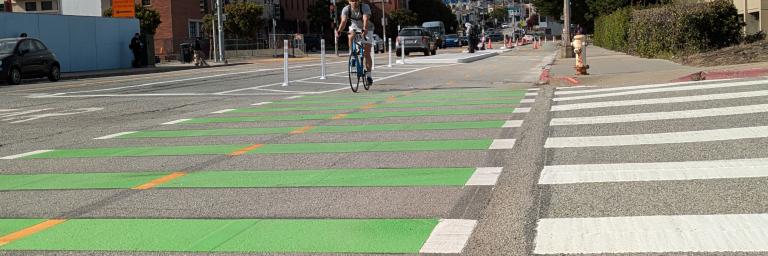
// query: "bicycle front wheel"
[[354, 77]]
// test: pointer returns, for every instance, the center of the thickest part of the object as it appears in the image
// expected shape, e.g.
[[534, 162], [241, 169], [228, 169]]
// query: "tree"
[[149, 19], [244, 19], [319, 15], [434, 10], [401, 17], [498, 14]]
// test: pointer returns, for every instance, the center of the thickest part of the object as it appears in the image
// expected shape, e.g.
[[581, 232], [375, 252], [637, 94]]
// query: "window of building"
[[30, 6], [145, 2], [46, 5], [195, 28], [2, 7]]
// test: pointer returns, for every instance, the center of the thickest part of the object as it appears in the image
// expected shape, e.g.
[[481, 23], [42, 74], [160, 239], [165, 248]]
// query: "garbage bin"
[[186, 53]]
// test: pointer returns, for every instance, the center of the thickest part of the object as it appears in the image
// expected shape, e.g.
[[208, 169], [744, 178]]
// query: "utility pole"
[[567, 48], [221, 31]]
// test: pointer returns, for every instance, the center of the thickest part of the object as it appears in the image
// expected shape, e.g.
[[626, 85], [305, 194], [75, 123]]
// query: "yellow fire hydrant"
[[580, 50]]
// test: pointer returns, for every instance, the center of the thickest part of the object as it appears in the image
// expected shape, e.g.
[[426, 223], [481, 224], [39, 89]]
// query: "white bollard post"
[[285, 62], [402, 48], [389, 51], [373, 59], [322, 59]]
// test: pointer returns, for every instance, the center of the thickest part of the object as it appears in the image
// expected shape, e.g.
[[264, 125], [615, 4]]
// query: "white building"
[[63, 7]]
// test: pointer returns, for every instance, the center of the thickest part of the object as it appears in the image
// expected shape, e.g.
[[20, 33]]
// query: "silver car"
[[416, 39]]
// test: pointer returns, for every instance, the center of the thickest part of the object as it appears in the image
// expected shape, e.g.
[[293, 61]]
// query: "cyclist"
[[360, 15]]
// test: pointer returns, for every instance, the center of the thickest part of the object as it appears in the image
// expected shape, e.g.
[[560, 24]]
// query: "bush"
[[683, 29], [611, 30]]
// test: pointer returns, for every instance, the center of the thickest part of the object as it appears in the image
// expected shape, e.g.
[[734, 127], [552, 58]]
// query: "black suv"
[[27, 58]]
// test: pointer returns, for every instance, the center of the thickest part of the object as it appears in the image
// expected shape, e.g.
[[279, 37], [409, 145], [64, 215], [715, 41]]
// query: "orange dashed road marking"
[[339, 116], [246, 149], [159, 181], [29, 231], [302, 129], [369, 106]]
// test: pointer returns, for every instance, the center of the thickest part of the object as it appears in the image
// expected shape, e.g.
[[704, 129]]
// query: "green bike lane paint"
[[311, 129], [382, 177], [248, 235], [358, 115], [379, 106], [298, 148]]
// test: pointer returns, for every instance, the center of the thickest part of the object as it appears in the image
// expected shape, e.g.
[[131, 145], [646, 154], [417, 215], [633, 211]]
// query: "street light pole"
[[221, 31], [567, 48]]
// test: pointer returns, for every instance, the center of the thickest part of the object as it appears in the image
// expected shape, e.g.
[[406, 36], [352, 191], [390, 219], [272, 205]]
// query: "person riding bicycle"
[[360, 15]]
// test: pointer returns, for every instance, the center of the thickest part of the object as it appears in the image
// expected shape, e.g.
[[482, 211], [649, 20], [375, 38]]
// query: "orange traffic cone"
[[490, 46]]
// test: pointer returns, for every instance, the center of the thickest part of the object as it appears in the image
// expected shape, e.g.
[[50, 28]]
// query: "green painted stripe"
[[386, 146], [377, 146], [210, 132], [140, 151], [378, 106], [318, 129], [8, 226], [361, 115], [324, 178], [360, 103], [76, 180], [242, 235]]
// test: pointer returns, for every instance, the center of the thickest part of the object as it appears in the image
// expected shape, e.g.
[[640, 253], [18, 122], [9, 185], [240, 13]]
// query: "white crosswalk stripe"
[[610, 152]]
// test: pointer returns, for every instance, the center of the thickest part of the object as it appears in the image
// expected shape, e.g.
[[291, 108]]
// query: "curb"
[[544, 77], [722, 74]]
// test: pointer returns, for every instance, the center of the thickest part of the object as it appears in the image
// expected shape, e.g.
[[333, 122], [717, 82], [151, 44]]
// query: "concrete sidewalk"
[[610, 68], [167, 67]]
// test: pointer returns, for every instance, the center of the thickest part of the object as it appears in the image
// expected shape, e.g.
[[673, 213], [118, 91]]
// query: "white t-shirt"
[[356, 17]]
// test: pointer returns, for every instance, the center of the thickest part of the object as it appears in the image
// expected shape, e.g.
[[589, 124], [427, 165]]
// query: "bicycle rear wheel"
[[366, 84], [354, 77]]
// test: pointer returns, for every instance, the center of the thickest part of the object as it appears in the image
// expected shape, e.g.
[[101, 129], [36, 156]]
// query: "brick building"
[[181, 22]]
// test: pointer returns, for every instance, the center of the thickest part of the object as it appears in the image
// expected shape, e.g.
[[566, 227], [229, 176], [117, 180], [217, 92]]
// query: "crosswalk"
[[664, 168]]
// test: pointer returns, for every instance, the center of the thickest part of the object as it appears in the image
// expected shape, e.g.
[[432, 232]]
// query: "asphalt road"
[[435, 158]]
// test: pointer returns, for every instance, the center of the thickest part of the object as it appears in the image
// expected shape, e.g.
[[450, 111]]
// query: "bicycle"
[[357, 63]]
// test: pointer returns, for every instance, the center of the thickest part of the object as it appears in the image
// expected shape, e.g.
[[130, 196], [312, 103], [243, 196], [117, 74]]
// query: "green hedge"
[[670, 30], [611, 30]]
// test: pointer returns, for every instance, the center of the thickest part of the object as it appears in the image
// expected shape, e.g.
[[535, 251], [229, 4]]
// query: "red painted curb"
[[571, 80], [723, 74], [544, 77]]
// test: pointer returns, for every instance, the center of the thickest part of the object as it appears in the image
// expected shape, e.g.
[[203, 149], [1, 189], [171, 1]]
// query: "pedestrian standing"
[[136, 48]]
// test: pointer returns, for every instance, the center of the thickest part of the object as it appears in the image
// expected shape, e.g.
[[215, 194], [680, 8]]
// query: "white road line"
[[636, 87], [625, 172], [484, 176], [657, 234], [449, 236], [176, 122], [25, 154], [533, 89], [114, 135], [658, 138], [668, 89], [294, 97], [532, 94], [579, 87], [622, 103], [261, 103], [223, 111], [709, 112], [527, 100], [6, 110], [512, 123], [521, 110], [330, 83], [502, 144]]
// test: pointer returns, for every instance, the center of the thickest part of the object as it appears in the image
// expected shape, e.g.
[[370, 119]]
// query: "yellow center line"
[[29, 231], [302, 129], [339, 116], [159, 181], [246, 149]]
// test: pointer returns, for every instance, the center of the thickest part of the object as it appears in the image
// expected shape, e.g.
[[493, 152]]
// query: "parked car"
[[416, 39], [23, 58], [452, 40], [378, 44]]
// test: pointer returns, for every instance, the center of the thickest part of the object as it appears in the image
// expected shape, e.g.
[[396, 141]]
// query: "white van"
[[436, 27]]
